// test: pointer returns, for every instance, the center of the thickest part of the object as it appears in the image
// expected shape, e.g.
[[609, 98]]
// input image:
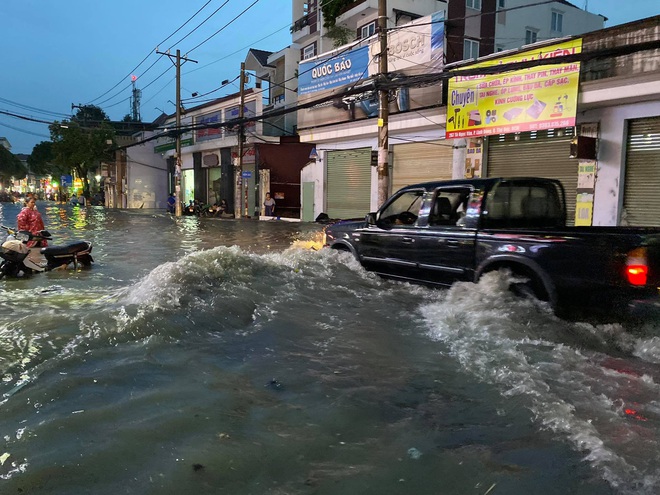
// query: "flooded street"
[[214, 356]]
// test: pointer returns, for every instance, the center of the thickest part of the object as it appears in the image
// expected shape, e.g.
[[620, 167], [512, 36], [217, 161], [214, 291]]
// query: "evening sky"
[[59, 53]]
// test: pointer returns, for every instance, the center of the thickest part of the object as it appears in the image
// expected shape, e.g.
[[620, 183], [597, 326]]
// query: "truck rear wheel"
[[526, 283]]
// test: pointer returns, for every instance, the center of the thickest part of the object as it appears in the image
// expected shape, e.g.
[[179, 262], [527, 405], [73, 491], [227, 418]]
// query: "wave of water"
[[604, 405], [295, 352]]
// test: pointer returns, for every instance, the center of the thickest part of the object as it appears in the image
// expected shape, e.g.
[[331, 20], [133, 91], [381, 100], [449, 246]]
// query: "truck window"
[[449, 206], [520, 204], [402, 209]]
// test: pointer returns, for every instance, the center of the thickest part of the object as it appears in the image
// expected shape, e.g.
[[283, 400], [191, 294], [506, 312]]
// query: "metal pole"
[[177, 170], [383, 107], [239, 164]]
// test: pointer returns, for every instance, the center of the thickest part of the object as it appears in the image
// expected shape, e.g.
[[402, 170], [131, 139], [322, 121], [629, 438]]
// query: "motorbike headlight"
[[23, 236]]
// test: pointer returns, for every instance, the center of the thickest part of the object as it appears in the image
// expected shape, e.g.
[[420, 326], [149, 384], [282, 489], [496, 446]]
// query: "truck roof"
[[484, 183]]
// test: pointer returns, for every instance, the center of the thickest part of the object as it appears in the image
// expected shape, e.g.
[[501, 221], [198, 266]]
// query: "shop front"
[[641, 201], [348, 183], [421, 162], [536, 154]]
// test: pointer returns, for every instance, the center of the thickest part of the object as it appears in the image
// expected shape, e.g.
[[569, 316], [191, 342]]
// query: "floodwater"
[[210, 356]]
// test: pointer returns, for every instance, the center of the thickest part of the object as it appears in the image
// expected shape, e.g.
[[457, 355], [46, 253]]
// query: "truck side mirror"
[[370, 218]]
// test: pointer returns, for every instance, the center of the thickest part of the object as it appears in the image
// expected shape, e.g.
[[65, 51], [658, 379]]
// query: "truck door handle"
[[407, 240], [453, 242]]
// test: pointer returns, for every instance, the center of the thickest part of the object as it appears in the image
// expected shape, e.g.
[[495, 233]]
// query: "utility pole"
[[239, 162], [383, 107], [177, 172]]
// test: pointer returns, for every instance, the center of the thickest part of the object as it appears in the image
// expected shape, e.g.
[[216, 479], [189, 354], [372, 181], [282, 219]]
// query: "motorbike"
[[19, 259]]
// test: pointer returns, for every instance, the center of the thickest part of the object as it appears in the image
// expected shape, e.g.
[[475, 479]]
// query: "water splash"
[[573, 390]]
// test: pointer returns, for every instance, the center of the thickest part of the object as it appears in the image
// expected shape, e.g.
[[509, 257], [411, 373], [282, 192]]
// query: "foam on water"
[[206, 278], [238, 290], [561, 373], [594, 387]]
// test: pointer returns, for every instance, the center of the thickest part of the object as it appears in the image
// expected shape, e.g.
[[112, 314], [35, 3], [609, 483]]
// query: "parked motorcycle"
[[19, 260]]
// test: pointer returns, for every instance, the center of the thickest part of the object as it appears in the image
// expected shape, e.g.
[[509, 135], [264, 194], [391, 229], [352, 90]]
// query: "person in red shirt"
[[30, 219]]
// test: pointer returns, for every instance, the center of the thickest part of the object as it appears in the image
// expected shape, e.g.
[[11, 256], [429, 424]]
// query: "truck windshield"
[[402, 209]]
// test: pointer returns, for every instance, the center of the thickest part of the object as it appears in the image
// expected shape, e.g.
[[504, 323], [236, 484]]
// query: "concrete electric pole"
[[177, 172], [383, 107]]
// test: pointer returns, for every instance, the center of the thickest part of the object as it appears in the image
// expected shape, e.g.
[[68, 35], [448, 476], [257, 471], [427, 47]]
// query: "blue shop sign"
[[66, 180], [328, 73], [246, 174]]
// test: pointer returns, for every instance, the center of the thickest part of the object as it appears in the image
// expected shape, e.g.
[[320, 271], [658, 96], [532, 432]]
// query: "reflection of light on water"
[[190, 230], [314, 244]]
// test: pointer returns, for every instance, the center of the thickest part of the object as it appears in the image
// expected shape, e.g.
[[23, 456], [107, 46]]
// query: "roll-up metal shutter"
[[349, 183], [421, 162], [641, 201], [536, 154]]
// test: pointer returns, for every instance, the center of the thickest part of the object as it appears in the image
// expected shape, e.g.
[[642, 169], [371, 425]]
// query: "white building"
[[209, 155], [516, 25]]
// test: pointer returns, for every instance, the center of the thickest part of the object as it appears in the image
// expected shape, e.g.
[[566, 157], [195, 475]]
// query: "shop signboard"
[[345, 67], [168, 142], [232, 113], [532, 99], [209, 132], [413, 48]]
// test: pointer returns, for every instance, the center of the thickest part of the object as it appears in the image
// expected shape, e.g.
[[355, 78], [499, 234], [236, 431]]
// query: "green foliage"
[[331, 11], [40, 160], [81, 148], [340, 35], [90, 116], [10, 166]]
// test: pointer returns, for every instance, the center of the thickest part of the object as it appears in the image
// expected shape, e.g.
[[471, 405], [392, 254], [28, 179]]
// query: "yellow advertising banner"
[[540, 97]]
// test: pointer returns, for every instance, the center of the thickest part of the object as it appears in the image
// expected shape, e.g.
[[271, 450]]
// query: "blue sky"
[[58, 53]]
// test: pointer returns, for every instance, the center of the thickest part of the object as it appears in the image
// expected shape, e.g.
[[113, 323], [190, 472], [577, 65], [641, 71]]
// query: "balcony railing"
[[301, 23]]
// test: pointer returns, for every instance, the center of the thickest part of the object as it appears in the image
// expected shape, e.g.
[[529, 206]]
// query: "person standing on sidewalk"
[[269, 206]]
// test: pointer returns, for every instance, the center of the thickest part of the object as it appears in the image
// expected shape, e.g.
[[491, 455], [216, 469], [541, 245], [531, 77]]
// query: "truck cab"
[[441, 232]]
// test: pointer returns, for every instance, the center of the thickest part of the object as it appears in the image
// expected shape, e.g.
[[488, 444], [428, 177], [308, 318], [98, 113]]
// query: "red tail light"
[[637, 269]]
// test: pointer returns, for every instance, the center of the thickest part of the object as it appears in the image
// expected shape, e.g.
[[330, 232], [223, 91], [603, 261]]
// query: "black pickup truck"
[[442, 232]]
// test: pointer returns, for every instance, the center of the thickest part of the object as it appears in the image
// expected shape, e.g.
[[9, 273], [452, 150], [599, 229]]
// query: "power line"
[[402, 81], [151, 53], [198, 26], [158, 59], [34, 109], [24, 131], [217, 32], [412, 81], [212, 91], [223, 27]]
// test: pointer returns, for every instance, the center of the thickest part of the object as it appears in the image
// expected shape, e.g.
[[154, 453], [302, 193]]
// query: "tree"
[[90, 116], [10, 166], [82, 143], [40, 160], [332, 10], [340, 35]]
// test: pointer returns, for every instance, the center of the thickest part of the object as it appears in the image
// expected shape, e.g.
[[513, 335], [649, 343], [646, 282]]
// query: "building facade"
[[607, 157], [418, 149]]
